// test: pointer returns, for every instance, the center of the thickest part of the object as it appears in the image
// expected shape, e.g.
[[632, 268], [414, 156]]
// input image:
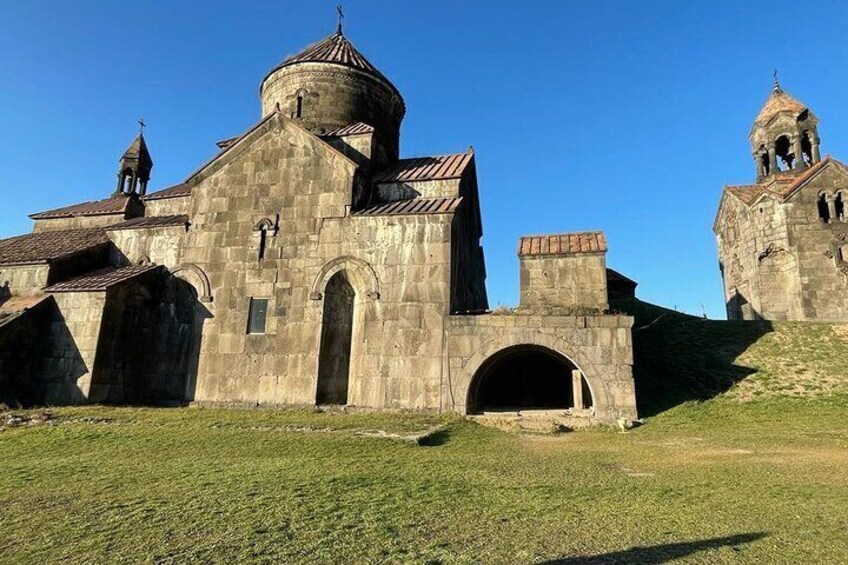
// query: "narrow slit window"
[[263, 242], [298, 112], [257, 312]]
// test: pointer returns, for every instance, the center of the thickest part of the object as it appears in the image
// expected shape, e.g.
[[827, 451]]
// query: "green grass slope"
[[678, 357]]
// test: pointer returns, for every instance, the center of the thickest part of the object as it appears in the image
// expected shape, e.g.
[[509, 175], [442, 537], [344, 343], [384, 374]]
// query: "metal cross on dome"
[[141, 126], [341, 17]]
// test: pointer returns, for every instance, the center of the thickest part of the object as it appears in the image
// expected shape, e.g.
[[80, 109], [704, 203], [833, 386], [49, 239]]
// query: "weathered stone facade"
[[307, 264], [781, 241]]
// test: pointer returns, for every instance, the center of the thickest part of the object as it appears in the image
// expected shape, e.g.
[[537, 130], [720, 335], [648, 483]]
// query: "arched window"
[[783, 150], [807, 148], [262, 229], [263, 242], [298, 104], [839, 207], [824, 211], [764, 160]]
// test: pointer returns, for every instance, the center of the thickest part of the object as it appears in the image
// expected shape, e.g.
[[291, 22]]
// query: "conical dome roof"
[[779, 101], [338, 50], [137, 151]]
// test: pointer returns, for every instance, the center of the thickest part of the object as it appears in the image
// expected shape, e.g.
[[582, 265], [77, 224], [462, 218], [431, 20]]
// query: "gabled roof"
[[412, 206], [780, 185], [150, 222], [102, 279], [45, 247], [562, 244], [437, 167], [113, 205], [613, 275], [352, 129], [747, 193], [247, 137], [788, 187], [177, 191]]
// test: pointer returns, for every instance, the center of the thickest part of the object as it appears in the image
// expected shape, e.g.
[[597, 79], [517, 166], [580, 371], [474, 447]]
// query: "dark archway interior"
[[524, 377], [336, 341]]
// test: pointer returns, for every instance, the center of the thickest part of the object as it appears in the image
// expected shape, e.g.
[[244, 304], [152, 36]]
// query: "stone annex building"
[[306, 263], [783, 241]]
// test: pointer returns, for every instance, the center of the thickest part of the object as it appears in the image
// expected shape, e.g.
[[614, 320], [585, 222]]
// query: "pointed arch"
[[194, 275], [361, 274]]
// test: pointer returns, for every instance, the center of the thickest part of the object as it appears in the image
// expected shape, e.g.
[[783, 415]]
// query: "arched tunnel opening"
[[528, 377]]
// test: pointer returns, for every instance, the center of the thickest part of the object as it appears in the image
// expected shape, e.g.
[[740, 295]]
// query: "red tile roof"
[[412, 206], [44, 247], [790, 185], [782, 185], [437, 167], [352, 129], [102, 279], [151, 222], [562, 244], [747, 193], [113, 205], [176, 191], [778, 101]]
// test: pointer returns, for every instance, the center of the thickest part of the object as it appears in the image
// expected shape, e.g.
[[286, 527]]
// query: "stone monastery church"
[[306, 263], [783, 241]]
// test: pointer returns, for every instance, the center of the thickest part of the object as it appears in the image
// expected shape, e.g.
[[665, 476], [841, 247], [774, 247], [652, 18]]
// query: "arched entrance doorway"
[[336, 340], [528, 377]]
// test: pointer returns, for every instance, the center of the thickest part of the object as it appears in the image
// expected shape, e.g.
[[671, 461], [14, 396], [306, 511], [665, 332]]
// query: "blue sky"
[[622, 116]]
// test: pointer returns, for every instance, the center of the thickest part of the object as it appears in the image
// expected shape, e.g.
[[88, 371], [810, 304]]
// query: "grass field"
[[735, 475]]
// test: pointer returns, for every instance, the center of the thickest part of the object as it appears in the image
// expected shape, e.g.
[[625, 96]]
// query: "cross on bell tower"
[[784, 137], [135, 166]]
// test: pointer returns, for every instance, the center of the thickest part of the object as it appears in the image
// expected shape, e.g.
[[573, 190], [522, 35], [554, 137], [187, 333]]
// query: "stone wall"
[[398, 267], [600, 346], [160, 245], [824, 277], [22, 280], [167, 206], [72, 339], [757, 283], [78, 222], [576, 281], [22, 346], [446, 188]]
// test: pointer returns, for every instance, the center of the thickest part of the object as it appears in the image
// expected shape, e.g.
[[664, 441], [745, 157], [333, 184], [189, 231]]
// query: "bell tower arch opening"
[[528, 377], [784, 135]]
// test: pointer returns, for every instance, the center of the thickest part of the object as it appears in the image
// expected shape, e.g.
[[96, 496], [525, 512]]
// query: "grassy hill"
[[732, 466], [678, 357]]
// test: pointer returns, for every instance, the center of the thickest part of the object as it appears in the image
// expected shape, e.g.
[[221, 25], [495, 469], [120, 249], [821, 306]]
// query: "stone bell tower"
[[784, 137], [134, 169], [783, 240]]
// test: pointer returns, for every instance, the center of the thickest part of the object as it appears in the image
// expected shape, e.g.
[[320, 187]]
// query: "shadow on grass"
[[678, 357], [659, 553], [435, 439]]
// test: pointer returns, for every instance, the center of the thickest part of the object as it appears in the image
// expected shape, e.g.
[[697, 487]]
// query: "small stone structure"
[[783, 241], [306, 263]]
